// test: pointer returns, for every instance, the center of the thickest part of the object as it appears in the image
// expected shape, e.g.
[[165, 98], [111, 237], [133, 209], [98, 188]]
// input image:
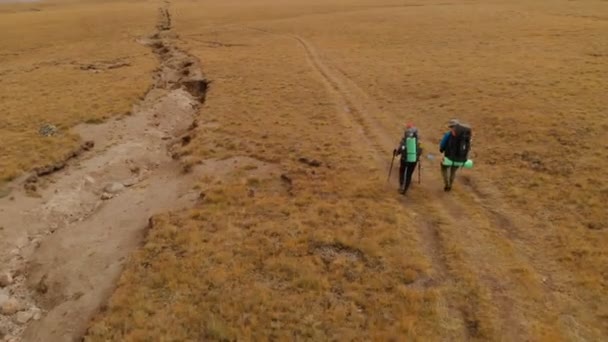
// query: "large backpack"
[[459, 144], [411, 145]]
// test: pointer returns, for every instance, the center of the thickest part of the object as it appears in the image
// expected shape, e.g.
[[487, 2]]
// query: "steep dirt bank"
[[64, 244]]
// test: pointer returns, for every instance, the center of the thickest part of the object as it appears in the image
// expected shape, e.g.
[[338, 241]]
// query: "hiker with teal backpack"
[[455, 146], [410, 152]]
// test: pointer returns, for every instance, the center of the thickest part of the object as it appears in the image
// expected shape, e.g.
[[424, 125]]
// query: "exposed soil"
[[68, 231]]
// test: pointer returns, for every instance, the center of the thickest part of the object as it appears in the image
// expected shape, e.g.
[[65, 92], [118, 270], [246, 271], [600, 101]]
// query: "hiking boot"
[[446, 188]]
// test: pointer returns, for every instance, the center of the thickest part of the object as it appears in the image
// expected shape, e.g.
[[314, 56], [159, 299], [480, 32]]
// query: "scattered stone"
[[32, 179], [130, 182], [89, 144], [37, 242], [24, 316], [313, 162], [53, 227], [31, 187], [114, 188], [48, 130], [89, 180], [135, 169], [42, 287], [10, 307], [106, 196], [5, 279], [48, 169]]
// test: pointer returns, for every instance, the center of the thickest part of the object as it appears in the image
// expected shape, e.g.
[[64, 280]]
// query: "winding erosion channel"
[[67, 229]]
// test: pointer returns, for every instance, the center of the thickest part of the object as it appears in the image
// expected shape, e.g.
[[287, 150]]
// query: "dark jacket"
[[402, 148]]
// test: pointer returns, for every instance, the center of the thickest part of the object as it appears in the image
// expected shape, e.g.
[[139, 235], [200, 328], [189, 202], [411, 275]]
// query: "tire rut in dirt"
[[376, 136]]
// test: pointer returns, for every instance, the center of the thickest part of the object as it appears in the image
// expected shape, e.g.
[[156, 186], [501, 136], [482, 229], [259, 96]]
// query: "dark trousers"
[[406, 170]]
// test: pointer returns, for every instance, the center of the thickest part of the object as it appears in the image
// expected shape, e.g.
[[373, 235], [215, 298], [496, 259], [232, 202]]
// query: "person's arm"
[[444, 142], [399, 148]]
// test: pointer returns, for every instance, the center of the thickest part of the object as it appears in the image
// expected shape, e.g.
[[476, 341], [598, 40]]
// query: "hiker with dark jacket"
[[455, 147], [409, 159]]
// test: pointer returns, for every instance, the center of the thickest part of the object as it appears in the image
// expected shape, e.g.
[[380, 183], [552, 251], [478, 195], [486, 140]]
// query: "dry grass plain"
[[516, 253], [284, 249], [66, 63]]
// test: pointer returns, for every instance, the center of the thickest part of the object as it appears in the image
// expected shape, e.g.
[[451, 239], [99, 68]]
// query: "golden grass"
[[323, 262], [43, 55], [517, 252]]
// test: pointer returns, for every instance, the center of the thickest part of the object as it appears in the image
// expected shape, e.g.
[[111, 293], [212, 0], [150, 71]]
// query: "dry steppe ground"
[[296, 234], [64, 64]]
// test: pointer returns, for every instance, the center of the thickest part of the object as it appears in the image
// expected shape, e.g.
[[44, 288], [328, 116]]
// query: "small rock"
[[31, 187], [5, 279], [10, 306], [106, 196], [53, 227], [24, 316], [114, 188], [130, 182], [89, 180], [42, 287], [89, 144], [47, 130]]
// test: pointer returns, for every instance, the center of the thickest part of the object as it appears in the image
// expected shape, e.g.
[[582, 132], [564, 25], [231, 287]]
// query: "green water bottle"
[[468, 164]]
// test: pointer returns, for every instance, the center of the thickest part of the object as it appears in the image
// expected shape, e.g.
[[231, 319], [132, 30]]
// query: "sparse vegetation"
[[295, 234], [40, 57]]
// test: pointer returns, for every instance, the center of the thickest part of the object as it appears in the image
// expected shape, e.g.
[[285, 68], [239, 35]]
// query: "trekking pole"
[[418, 171], [391, 169]]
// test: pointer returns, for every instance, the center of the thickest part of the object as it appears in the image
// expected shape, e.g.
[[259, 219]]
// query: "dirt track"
[[474, 215], [76, 242]]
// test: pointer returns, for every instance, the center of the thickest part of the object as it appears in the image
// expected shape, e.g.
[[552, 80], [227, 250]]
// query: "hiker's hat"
[[453, 122], [409, 125]]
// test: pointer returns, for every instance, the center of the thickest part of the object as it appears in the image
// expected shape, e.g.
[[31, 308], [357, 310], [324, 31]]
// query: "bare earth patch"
[[251, 203]]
